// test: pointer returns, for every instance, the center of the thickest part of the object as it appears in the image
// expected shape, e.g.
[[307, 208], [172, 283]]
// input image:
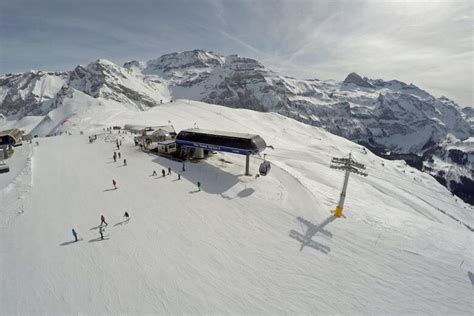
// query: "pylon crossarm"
[[338, 167]]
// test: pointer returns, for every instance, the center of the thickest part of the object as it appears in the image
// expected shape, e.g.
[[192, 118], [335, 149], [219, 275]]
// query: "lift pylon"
[[349, 165]]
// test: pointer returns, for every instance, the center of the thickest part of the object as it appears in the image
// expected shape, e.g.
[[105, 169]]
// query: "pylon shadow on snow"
[[311, 230]]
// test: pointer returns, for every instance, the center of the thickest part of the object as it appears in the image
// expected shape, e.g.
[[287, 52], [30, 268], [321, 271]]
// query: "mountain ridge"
[[386, 116]]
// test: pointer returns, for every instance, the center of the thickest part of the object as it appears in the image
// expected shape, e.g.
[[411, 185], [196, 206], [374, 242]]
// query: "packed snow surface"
[[241, 244]]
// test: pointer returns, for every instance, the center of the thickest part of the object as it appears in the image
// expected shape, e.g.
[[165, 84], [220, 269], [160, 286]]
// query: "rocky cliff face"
[[384, 115]]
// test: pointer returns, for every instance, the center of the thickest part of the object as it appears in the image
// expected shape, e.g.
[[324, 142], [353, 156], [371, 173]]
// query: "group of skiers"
[[102, 226], [163, 173], [116, 155], [119, 156]]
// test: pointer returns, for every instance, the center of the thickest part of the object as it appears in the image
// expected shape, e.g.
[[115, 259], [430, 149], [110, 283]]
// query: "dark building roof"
[[238, 143]]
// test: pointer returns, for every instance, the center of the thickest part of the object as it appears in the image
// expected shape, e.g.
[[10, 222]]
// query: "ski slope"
[[242, 244]]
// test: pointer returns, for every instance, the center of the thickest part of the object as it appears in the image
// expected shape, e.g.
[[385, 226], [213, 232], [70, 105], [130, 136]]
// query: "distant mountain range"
[[392, 118]]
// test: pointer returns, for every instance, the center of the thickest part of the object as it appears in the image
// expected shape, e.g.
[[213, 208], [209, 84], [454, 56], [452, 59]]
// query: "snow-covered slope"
[[236, 246]]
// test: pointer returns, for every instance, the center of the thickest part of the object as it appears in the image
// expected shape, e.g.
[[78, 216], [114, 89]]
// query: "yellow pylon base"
[[338, 212]]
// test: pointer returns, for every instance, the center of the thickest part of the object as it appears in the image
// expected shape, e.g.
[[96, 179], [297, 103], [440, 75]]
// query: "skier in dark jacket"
[[115, 156], [169, 171], [163, 172], [102, 220], [199, 186], [125, 162], [74, 233], [114, 184]]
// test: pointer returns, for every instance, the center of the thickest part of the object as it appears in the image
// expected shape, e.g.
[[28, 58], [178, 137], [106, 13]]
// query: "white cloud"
[[424, 42]]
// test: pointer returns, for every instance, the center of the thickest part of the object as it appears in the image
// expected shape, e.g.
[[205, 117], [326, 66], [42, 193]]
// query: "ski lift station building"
[[208, 140]]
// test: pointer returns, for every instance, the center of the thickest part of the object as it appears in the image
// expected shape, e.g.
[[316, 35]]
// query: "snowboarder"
[[101, 232], [114, 184], [119, 155], [199, 186], [154, 173], [125, 162], [102, 220], [127, 217], [169, 171], [115, 156], [179, 176], [74, 233], [163, 172]]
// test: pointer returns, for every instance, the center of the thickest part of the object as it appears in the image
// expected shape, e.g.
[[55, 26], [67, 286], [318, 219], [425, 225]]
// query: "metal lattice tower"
[[348, 165]]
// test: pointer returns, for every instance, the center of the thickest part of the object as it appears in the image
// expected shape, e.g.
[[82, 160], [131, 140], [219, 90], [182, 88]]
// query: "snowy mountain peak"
[[178, 61], [357, 80]]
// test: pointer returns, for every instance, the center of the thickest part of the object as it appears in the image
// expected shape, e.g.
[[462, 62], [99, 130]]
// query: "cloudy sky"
[[427, 43]]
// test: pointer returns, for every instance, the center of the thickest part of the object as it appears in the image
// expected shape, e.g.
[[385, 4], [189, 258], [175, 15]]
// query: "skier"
[[179, 176], [127, 217], [169, 171], [114, 184], [119, 155], [163, 172], [115, 156], [102, 220], [120, 142], [199, 186], [125, 162], [183, 167], [101, 232], [74, 233], [154, 173]]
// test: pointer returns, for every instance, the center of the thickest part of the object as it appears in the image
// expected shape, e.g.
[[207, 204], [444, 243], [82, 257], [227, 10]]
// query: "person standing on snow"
[[74, 233], [154, 173], [199, 186], [179, 176], [125, 162], [115, 156], [102, 220], [101, 232], [163, 172], [169, 171], [114, 184]]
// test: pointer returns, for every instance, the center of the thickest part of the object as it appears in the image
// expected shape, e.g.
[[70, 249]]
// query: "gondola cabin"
[[11, 137]]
